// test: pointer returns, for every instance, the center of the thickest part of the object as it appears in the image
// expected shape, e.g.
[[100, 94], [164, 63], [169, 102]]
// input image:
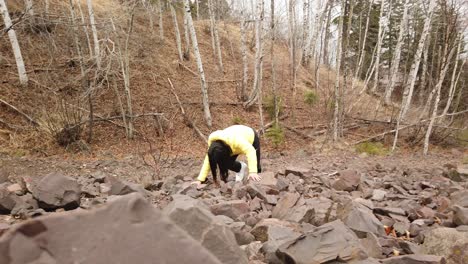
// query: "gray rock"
[[57, 191], [415, 259], [201, 224], [296, 170], [372, 246], [8, 200], [103, 235], [332, 241], [255, 190], [378, 195], [120, 187], [447, 242], [409, 247]]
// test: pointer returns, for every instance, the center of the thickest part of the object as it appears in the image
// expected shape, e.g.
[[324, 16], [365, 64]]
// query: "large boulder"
[[460, 215], [274, 232], [360, 219], [447, 242], [415, 259], [56, 191], [284, 205], [116, 186], [127, 230], [204, 227], [8, 200], [332, 241], [348, 180], [233, 209]]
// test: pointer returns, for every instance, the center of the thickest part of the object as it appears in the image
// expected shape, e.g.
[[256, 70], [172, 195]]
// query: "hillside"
[[55, 93]]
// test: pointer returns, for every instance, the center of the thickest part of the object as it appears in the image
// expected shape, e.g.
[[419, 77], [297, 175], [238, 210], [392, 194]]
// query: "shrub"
[[310, 97], [372, 148], [276, 135], [269, 106]]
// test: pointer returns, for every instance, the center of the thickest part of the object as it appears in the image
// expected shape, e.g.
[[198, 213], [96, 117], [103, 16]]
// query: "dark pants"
[[235, 165]]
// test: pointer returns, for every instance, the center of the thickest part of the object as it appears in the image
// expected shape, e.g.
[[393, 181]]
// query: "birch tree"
[[161, 26], [258, 69], [409, 87], [438, 88], [187, 38], [95, 35], [273, 63], [245, 63], [177, 32], [380, 36], [454, 79], [396, 57], [23, 77], [305, 29], [196, 51], [292, 50], [215, 36], [336, 101]]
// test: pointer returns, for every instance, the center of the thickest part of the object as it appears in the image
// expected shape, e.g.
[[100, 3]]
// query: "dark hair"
[[219, 154]]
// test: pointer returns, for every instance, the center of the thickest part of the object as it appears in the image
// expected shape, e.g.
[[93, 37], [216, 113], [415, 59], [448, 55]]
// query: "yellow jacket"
[[240, 138]]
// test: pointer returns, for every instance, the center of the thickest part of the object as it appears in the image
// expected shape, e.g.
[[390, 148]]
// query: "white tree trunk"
[[305, 30], [161, 26], [85, 29], [292, 51], [23, 77], [454, 80], [382, 29], [245, 62], [257, 81], [336, 101], [187, 37], [198, 9], [29, 7], [409, 87], [196, 51], [273, 63], [437, 100], [47, 8], [92, 20], [312, 40], [362, 54], [215, 36], [396, 57], [177, 33]]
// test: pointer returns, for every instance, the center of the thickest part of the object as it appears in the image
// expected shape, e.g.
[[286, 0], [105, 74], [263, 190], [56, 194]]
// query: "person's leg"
[[256, 145]]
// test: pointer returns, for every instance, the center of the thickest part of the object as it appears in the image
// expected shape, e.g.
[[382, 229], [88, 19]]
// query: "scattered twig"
[[189, 122], [188, 69], [305, 136], [270, 124], [221, 81], [30, 119]]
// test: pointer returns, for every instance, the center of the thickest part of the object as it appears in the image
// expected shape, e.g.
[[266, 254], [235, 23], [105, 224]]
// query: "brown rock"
[[8, 200], [104, 235], [332, 241], [201, 224], [447, 242], [15, 188], [415, 259], [372, 246], [56, 191], [285, 204], [233, 209], [360, 219], [268, 179], [256, 190], [460, 216], [270, 227], [295, 170], [349, 180]]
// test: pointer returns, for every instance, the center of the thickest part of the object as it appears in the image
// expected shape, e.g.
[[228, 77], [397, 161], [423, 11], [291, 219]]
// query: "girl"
[[223, 148]]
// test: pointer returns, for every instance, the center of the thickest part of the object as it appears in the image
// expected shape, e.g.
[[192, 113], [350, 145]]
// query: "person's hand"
[[198, 184], [255, 177]]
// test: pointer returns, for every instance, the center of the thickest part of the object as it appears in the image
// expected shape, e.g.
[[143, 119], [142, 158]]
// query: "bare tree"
[[454, 79], [273, 63], [409, 87], [177, 32], [438, 88], [292, 50], [305, 29], [215, 36], [337, 100], [187, 38], [161, 26], [95, 35], [23, 77], [396, 56], [196, 51], [380, 36], [245, 63]]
